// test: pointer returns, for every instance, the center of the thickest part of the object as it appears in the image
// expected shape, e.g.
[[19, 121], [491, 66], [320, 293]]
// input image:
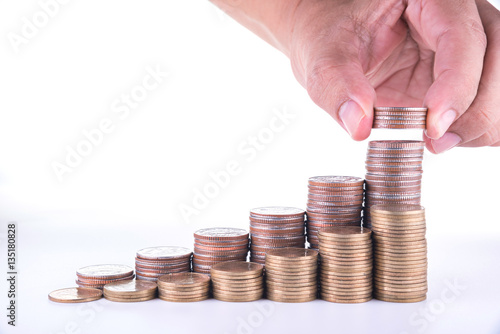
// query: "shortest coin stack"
[[153, 262], [75, 295], [291, 275], [184, 287], [400, 253], [97, 276], [130, 291], [237, 281], [346, 264], [399, 118]]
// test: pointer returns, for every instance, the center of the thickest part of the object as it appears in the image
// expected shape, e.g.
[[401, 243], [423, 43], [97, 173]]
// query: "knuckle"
[[320, 80], [476, 29]]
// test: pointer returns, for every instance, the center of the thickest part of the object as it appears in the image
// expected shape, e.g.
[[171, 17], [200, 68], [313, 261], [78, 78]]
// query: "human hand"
[[442, 54]]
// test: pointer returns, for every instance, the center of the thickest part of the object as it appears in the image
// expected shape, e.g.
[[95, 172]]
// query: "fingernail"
[[446, 142], [444, 122], [351, 114]]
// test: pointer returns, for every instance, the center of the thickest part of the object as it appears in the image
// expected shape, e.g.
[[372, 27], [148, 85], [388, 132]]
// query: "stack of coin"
[[130, 291], [184, 287], [275, 227], [75, 295], [153, 262], [291, 275], [237, 281], [218, 244], [400, 253], [393, 174], [346, 264], [333, 201], [97, 276], [399, 118]]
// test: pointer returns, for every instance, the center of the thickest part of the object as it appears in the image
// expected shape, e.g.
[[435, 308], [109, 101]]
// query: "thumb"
[[335, 81]]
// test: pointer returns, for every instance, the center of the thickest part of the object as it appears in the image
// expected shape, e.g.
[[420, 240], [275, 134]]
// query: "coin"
[[129, 289], [183, 300], [105, 271], [75, 295], [130, 300]]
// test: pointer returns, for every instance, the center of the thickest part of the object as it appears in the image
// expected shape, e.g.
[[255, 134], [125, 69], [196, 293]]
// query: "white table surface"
[[51, 250]]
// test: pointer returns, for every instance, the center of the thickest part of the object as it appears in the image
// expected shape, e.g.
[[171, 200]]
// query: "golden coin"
[[400, 256], [400, 252], [336, 285], [237, 269], [302, 292], [345, 232], [332, 252], [291, 254], [346, 245], [400, 280], [238, 293], [239, 299], [183, 279], [397, 210], [366, 294], [364, 273], [348, 261], [270, 264], [398, 225], [398, 300], [289, 288], [394, 289], [393, 220], [239, 283], [75, 295], [334, 256], [183, 293], [238, 289], [288, 274], [282, 299], [184, 288], [130, 288], [379, 263], [286, 264], [130, 300], [184, 300], [400, 238], [398, 295], [231, 281], [361, 281], [341, 290], [332, 299], [291, 279]]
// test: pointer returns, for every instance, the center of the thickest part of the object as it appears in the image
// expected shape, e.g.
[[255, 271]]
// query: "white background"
[[224, 85]]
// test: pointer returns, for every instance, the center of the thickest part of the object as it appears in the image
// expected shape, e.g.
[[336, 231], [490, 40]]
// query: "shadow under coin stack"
[[400, 253], [237, 281], [218, 244], [97, 276], [333, 201], [399, 118], [291, 275], [393, 174], [346, 264], [184, 287], [275, 227], [153, 262], [130, 291]]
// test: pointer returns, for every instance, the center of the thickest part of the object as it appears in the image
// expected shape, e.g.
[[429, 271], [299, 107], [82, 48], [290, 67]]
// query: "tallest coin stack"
[[393, 174]]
